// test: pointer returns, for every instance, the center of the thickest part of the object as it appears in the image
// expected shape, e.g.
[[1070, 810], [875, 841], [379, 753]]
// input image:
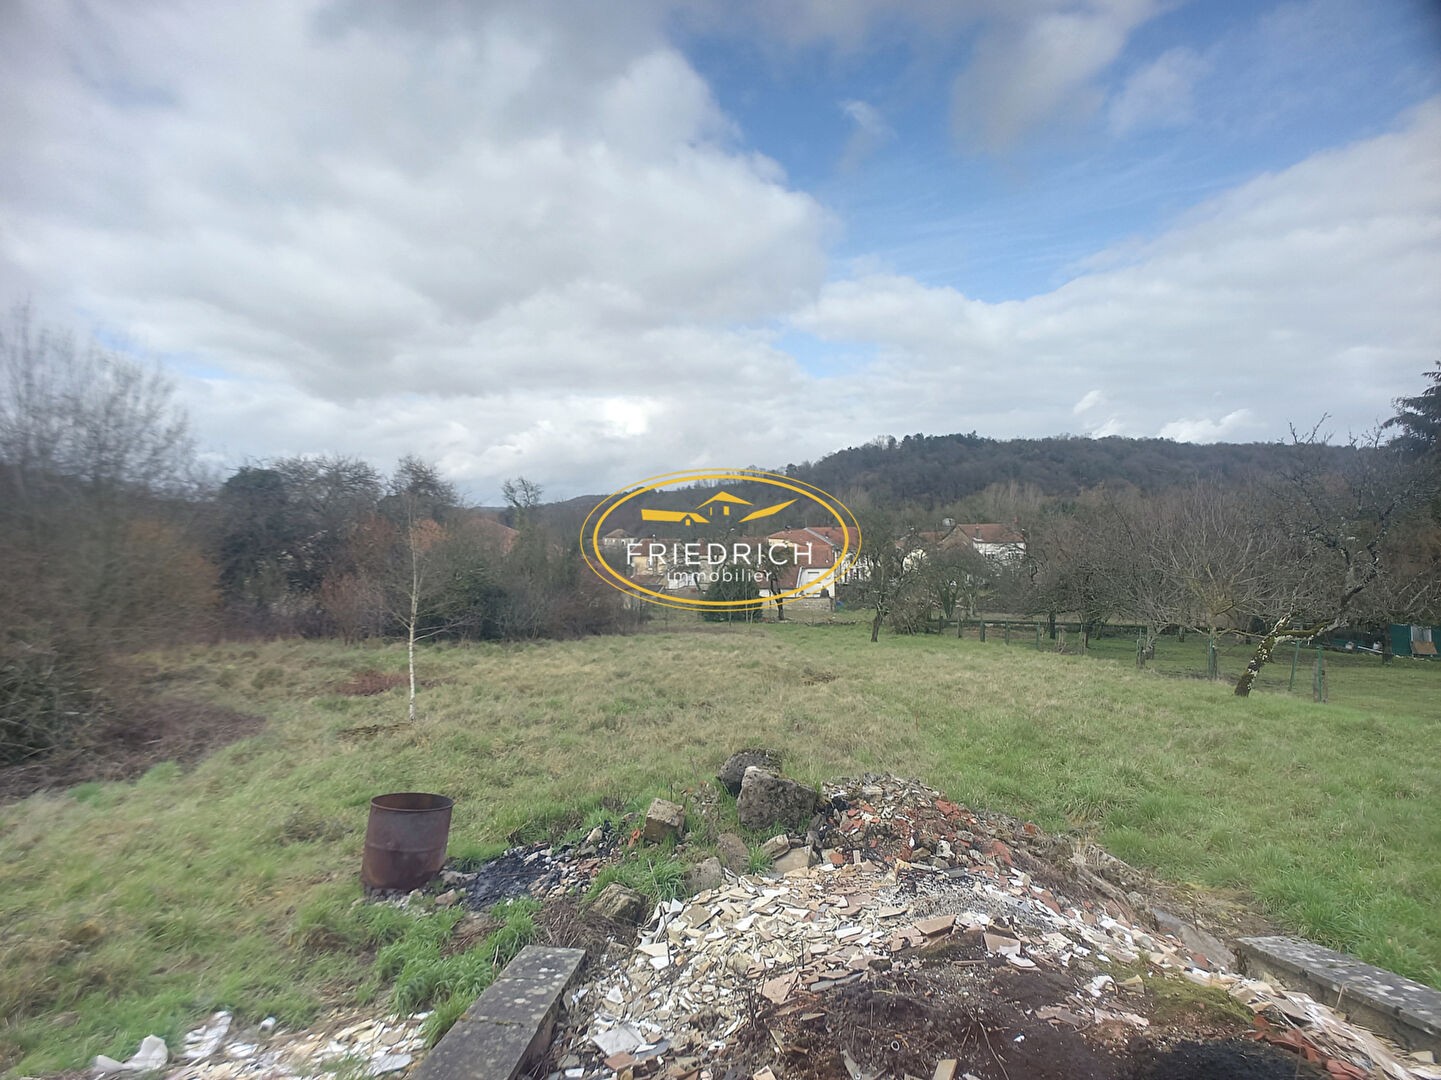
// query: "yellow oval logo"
[[750, 529]]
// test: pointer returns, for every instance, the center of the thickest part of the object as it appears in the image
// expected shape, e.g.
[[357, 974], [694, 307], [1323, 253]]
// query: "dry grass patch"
[[370, 682]]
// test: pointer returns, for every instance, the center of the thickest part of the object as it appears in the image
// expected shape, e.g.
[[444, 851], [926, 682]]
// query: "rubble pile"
[[220, 1050], [898, 934], [896, 894]]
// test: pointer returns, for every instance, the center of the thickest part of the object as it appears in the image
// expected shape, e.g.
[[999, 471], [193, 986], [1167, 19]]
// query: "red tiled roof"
[[810, 549]]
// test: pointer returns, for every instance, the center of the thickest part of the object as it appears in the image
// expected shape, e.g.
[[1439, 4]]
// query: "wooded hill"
[[942, 473], [932, 471]]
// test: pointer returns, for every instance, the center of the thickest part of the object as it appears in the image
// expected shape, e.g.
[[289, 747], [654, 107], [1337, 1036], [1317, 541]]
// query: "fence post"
[[1008, 634], [1140, 648], [1294, 657], [983, 629], [1211, 670], [1038, 637], [1318, 688]]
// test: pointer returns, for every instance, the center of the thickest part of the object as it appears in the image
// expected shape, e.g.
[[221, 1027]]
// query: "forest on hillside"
[[968, 477], [936, 471]]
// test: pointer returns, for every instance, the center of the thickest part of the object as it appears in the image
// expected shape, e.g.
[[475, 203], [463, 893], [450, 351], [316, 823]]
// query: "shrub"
[[733, 583]]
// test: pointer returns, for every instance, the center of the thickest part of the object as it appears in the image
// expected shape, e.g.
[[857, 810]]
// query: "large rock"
[[767, 799], [733, 772], [663, 821], [619, 904], [734, 855]]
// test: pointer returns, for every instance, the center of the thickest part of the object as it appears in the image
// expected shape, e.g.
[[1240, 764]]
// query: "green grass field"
[[131, 908]]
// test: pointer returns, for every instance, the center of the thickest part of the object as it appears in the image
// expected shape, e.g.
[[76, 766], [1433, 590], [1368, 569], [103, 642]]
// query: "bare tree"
[[95, 464], [1337, 525], [1075, 561], [1197, 557], [522, 496], [954, 576], [889, 566]]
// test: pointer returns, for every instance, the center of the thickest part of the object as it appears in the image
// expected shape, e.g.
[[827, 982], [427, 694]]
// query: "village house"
[[814, 551], [1000, 543]]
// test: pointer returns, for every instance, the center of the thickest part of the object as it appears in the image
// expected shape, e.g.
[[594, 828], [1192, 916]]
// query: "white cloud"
[[844, 25], [1203, 430], [1027, 66], [381, 224], [1033, 68], [1161, 94], [870, 134], [524, 238], [1313, 290]]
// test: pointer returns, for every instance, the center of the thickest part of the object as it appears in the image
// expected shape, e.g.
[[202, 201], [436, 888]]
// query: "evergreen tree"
[[1419, 419]]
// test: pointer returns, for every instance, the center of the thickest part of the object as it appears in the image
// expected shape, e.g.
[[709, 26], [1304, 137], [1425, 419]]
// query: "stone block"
[[801, 858], [707, 874], [619, 904], [734, 855], [1397, 1007], [734, 770], [767, 799], [663, 821]]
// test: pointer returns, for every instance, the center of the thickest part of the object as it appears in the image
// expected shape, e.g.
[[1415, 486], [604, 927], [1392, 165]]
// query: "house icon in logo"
[[723, 500]]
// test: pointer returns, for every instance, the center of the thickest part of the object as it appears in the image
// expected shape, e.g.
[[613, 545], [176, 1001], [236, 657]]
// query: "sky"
[[591, 243]]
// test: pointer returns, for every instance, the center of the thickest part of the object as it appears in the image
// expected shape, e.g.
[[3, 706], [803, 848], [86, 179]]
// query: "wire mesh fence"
[[1302, 668]]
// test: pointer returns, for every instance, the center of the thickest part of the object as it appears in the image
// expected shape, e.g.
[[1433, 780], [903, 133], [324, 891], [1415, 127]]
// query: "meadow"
[[128, 908]]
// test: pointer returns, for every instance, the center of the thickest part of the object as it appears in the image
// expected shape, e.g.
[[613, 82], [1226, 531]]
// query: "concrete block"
[[510, 1024], [1389, 1004]]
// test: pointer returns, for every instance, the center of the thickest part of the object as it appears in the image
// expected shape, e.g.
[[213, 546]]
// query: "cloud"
[[845, 26], [525, 238], [871, 132], [1032, 69], [1202, 430], [1161, 94], [1016, 69], [1316, 289], [342, 205]]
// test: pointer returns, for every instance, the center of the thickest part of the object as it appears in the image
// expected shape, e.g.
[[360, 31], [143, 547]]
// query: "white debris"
[[152, 1055], [204, 1041]]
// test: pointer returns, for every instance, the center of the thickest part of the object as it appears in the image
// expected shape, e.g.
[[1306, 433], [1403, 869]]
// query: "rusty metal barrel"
[[405, 839]]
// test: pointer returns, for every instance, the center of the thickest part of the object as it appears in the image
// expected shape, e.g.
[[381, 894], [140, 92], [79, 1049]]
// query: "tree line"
[[1315, 541], [113, 539]]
